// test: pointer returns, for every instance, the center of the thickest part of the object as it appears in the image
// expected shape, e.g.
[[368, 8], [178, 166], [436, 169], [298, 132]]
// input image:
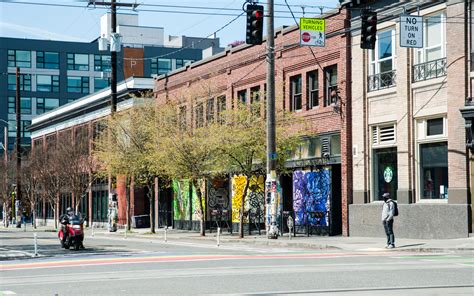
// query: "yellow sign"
[[312, 32]]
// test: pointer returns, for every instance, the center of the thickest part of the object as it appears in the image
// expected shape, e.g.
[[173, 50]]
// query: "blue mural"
[[311, 197]]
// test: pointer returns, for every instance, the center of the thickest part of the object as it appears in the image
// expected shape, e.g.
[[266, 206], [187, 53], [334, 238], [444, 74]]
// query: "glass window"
[[47, 83], [221, 107], [79, 84], [312, 93], [295, 93], [102, 63], [200, 115], [242, 96], [210, 110], [46, 104], [182, 117], [23, 125], [433, 39], [19, 58], [335, 145], [77, 61], [179, 63], [434, 127], [382, 62], [25, 82], [24, 102], [385, 172], [255, 100], [330, 82], [160, 66], [47, 60], [101, 83], [434, 170]]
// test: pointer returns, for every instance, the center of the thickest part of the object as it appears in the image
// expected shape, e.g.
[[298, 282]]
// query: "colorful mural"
[[255, 197], [218, 194], [181, 199], [311, 197]]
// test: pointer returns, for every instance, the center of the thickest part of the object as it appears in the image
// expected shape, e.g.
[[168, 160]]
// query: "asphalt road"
[[114, 266]]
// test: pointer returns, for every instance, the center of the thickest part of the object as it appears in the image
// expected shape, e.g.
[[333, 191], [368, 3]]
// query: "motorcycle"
[[74, 232]]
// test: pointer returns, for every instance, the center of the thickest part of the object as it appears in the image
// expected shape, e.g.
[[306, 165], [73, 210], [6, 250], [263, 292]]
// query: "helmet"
[[69, 209]]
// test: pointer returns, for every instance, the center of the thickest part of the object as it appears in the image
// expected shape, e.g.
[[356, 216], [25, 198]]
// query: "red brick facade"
[[244, 67]]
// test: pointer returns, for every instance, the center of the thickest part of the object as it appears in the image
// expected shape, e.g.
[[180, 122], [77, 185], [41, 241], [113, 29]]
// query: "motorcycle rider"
[[65, 220]]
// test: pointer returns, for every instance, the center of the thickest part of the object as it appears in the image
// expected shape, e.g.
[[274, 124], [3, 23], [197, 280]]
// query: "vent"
[[325, 147], [383, 135]]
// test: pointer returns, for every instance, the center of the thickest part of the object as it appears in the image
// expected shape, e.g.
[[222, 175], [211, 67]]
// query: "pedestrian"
[[388, 211]]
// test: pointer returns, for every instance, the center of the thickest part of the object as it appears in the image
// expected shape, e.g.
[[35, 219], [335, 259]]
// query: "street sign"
[[411, 31], [312, 32]]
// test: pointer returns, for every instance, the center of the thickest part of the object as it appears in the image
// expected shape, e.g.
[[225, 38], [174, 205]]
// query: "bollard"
[[36, 244], [166, 232], [92, 234], [218, 235]]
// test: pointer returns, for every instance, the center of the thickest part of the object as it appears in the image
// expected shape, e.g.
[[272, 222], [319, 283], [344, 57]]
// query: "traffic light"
[[254, 24], [368, 29]]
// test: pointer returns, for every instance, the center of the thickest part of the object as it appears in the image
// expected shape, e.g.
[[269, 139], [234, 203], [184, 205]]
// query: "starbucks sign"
[[388, 174]]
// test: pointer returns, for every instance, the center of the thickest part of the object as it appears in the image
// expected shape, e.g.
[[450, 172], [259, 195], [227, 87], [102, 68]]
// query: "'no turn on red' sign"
[[411, 31], [312, 32]]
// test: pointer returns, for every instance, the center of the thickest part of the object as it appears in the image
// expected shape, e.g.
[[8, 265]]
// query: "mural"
[[218, 194], [195, 205], [181, 199], [255, 197], [311, 197], [278, 196]]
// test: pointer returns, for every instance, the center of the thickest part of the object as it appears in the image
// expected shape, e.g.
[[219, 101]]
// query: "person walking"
[[388, 212]]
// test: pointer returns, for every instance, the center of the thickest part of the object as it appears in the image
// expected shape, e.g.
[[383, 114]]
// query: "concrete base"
[[421, 221]]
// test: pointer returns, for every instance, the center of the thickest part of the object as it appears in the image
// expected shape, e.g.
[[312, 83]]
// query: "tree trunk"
[[150, 198], [56, 214], [242, 208], [127, 213], [34, 218], [201, 207]]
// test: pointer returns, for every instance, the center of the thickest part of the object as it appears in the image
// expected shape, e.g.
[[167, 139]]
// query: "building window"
[[101, 83], [47, 60], [221, 107], [312, 93], [200, 115], [385, 172], [255, 100], [242, 96], [25, 82], [295, 93], [210, 110], [330, 82], [46, 104], [383, 135], [434, 170], [77, 61], [433, 40], [78, 84], [24, 124], [47, 83], [19, 58], [24, 102], [102, 63], [435, 127], [160, 66], [182, 117], [381, 63]]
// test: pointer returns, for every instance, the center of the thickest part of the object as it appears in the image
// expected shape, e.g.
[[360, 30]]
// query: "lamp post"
[[5, 159]]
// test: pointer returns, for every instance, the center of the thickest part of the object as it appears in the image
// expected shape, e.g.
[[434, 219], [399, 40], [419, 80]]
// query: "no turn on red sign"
[[312, 32]]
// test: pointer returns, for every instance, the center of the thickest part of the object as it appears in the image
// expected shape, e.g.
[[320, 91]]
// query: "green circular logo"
[[388, 174]]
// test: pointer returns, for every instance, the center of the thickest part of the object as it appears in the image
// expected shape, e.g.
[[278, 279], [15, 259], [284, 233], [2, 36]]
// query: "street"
[[132, 266]]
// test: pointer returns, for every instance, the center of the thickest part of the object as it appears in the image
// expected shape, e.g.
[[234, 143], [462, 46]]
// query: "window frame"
[[44, 64], [12, 105], [84, 85], [296, 80], [53, 86], [101, 64], [328, 87], [374, 61], [73, 65], [25, 82], [311, 93], [420, 53], [41, 106], [100, 79], [13, 61]]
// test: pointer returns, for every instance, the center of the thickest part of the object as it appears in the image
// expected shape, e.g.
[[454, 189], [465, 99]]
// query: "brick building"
[[307, 80], [409, 135]]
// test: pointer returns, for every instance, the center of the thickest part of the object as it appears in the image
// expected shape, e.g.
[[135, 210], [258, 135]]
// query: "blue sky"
[[82, 23]]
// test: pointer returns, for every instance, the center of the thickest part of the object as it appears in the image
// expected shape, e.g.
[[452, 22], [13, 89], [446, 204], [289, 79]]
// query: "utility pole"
[[17, 144], [271, 182], [113, 49]]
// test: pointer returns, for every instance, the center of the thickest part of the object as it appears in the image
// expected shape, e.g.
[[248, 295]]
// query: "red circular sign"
[[306, 37]]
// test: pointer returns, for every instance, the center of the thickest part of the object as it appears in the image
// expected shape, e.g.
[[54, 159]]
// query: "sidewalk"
[[348, 244]]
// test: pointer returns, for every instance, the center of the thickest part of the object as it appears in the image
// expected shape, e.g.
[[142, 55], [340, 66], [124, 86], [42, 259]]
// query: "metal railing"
[[429, 70], [381, 80]]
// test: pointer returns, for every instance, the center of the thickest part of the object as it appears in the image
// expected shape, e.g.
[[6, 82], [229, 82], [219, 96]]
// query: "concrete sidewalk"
[[349, 244]]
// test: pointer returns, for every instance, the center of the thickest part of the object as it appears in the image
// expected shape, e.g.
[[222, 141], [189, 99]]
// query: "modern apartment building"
[[54, 73], [409, 136]]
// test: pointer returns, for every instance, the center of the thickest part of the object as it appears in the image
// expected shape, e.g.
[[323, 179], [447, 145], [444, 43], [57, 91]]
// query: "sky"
[[29, 19]]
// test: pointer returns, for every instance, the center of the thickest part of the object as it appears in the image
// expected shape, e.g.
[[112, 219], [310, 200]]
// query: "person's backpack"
[[395, 208]]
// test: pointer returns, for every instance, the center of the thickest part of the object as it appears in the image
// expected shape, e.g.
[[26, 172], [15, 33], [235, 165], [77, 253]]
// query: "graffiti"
[[218, 195], [255, 197], [311, 197], [238, 186], [181, 200]]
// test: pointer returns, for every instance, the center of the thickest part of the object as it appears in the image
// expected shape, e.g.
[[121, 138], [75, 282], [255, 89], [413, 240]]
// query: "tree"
[[124, 149], [242, 147], [6, 180], [31, 180]]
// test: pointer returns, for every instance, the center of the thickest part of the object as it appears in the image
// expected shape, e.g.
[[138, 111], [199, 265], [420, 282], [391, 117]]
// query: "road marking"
[[7, 293]]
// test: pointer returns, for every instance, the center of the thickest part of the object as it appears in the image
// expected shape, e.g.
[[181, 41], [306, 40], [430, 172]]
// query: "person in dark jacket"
[[388, 211]]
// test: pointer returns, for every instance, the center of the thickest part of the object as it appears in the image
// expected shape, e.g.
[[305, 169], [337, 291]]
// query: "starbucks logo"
[[388, 174]]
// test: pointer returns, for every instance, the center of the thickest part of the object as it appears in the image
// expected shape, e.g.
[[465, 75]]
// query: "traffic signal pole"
[[17, 145], [272, 206]]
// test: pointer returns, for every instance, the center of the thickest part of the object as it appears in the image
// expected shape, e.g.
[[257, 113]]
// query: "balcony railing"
[[381, 80], [429, 70]]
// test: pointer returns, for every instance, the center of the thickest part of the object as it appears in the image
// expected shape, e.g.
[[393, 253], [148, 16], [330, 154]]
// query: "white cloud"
[[15, 30]]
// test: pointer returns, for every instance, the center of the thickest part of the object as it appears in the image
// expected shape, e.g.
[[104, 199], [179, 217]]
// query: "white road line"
[[7, 293]]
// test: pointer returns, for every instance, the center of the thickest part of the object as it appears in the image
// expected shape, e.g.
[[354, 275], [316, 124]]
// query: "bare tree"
[[31, 180]]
